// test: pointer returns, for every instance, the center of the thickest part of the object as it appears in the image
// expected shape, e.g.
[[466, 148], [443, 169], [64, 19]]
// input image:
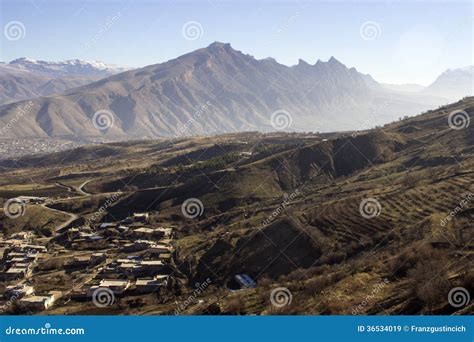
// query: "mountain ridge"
[[239, 93]]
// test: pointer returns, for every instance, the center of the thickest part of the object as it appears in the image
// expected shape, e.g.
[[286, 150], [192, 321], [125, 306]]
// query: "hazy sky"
[[394, 41]]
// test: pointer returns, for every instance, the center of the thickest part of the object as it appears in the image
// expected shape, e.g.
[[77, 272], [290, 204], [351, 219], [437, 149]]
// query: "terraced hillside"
[[370, 222]]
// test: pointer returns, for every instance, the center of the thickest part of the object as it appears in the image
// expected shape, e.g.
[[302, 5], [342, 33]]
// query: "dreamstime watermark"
[[14, 297], [103, 29], [370, 208], [368, 299], [277, 212], [283, 27], [458, 120], [281, 119], [46, 330], [458, 297], [280, 297], [196, 115], [192, 208], [370, 30], [98, 213], [192, 30], [18, 115], [199, 289], [14, 30], [14, 208], [102, 297], [462, 204], [103, 119]]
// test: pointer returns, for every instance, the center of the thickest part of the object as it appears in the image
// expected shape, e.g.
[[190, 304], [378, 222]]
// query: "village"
[[129, 257]]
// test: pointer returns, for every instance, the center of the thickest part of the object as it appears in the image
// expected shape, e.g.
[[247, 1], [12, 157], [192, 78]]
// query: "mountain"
[[24, 78], [216, 90], [453, 84], [69, 67]]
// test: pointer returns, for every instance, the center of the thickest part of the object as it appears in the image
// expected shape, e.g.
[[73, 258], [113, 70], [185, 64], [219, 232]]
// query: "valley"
[[377, 221]]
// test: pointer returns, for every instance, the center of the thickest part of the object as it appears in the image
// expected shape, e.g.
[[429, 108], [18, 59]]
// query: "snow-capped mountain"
[[74, 66], [25, 78]]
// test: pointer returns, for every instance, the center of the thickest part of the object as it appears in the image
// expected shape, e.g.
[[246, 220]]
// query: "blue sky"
[[414, 41]]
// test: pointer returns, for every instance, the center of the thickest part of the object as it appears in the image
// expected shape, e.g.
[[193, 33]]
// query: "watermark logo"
[[281, 119], [280, 297], [103, 119], [458, 120], [277, 212], [458, 297], [14, 208], [196, 115], [103, 29], [369, 298], [192, 30], [462, 204], [370, 30], [198, 290], [19, 113], [192, 208], [103, 297], [370, 208], [14, 30]]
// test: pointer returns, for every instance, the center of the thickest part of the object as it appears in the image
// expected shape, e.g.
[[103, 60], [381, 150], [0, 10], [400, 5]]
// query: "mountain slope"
[[216, 90]]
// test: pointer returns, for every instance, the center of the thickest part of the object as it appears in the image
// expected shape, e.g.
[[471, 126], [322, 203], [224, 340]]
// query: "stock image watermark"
[[370, 208], [103, 119], [103, 30], [280, 297], [186, 127], [192, 208], [193, 297], [277, 212], [281, 119], [357, 310], [192, 30], [467, 198]]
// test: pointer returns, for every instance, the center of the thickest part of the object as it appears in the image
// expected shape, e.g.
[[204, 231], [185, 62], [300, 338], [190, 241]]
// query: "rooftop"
[[107, 283]]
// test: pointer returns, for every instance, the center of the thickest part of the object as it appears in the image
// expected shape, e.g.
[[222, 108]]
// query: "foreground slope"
[[349, 223]]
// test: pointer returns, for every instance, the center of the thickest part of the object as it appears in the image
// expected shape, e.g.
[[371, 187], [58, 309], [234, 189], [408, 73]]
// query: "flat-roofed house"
[[147, 285], [79, 261], [142, 232], [18, 291], [159, 249], [140, 217], [129, 268], [42, 302], [138, 245], [166, 257], [118, 286], [152, 266], [97, 258], [166, 233], [14, 273]]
